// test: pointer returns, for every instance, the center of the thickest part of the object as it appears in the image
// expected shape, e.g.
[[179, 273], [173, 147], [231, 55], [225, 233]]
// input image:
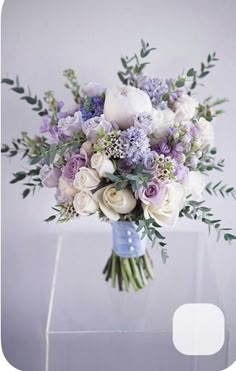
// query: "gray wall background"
[[39, 40]]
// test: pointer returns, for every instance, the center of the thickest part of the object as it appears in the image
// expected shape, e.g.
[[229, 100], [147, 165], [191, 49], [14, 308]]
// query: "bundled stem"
[[126, 273]]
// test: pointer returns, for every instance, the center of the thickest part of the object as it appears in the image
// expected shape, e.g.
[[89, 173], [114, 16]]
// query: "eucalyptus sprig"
[[72, 83], [208, 161], [195, 211], [205, 68], [29, 98], [208, 109], [33, 181], [221, 189], [135, 65], [137, 179]]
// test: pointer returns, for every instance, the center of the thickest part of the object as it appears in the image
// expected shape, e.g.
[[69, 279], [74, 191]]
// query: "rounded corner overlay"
[[198, 329]]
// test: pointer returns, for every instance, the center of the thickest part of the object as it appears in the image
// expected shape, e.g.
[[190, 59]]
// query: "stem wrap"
[[127, 241]]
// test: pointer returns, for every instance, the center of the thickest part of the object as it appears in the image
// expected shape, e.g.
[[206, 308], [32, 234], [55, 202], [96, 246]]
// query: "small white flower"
[[194, 185], [84, 203], [167, 213], [185, 108], [206, 133], [162, 120], [102, 164], [66, 190], [86, 179], [113, 202], [124, 102]]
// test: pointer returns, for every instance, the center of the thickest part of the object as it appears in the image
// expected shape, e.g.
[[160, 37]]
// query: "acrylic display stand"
[[94, 327]]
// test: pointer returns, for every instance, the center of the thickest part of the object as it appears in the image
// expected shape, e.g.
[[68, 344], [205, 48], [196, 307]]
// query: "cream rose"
[[167, 213], [124, 102], [162, 120], [194, 185], [185, 108], [102, 164], [84, 203], [206, 132], [113, 202], [86, 179], [66, 190]]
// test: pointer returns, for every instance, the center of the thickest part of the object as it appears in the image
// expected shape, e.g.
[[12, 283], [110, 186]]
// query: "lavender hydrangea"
[[155, 88], [135, 144]]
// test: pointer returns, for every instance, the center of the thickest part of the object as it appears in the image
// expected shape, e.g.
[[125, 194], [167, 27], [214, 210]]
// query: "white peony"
[[167, 213], [194, 185], [162, 120], [86, 179], [124, 102], [206, 132], [92, 89], [113, 202], [185, 108], [66, 190], [84, 203], [102, 164]]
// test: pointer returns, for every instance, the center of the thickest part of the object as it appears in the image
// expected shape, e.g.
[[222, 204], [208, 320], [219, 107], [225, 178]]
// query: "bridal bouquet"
[[136, 154]]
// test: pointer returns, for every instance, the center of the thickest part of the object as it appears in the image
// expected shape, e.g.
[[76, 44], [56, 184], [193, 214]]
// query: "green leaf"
[[5, 148], [18, 90], [29, 99], [190, 72], [7, 81], [180, 82], [26, 192], [50, 218], [18, 177]]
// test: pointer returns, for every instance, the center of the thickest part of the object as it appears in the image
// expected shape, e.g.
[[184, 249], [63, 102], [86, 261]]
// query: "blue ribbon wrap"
[[127, 241]]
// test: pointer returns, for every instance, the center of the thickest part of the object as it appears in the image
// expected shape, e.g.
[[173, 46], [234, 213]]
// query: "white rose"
[[167, 213], [92, 89], [162, 120], [194, 185], [66, 190], [102, 164], [124, 102], [86, 179], [185, 108], [206, 133], [113, 202], [84, 203]]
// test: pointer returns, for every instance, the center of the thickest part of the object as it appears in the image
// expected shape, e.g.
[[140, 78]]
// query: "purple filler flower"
[[72, 167], [49, 176]]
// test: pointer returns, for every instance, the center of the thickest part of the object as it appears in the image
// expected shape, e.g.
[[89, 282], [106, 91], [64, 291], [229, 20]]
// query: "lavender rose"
[[143, 120], [72, 167], [92, 126], [152, 194], [70, 124], [49, 176], [149, 161]]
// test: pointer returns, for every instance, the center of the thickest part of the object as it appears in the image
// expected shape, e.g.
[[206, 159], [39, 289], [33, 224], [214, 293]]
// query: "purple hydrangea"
[[155, 88], [135, 144], [91, 107]]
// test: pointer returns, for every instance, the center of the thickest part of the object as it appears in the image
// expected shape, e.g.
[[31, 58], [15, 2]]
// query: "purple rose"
[[126, 165], [143, 121], [164, 147], [92, 126], [149, 161], [49, 176], [70, 124], [72, 166], [154, 193]]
